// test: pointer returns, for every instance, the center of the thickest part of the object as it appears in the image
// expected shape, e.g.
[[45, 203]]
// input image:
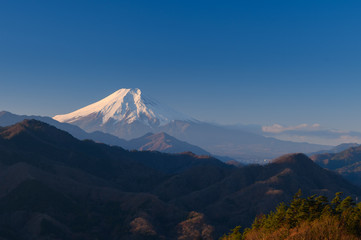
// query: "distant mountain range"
[[161, 142], [337, 149], [53, 186], [128, 114], [311, 133], [7, 118], [347, 163]]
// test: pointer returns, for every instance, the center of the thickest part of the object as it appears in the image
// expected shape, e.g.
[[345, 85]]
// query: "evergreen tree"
[[306, 218]]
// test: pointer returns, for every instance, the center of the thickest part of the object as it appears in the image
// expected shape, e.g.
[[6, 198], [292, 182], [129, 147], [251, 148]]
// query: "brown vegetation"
[[313, 218]]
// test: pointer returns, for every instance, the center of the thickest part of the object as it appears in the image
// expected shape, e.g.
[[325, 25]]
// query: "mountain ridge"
[[82, 189], [347, 163], [111, 115], [7, 118], [163, 142]]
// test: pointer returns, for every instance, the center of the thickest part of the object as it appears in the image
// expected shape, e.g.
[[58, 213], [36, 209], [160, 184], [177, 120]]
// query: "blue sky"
[[264, 62]]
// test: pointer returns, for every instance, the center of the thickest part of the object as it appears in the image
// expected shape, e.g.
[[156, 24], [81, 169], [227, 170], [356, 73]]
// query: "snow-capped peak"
[[125, 105]]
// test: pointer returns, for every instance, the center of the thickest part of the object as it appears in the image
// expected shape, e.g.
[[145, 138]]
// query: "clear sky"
[[264, 62]]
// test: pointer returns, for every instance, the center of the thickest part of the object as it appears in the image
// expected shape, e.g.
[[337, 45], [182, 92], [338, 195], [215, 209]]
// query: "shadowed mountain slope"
[[53, 186], [201, 138], [128, 114], [7, 119], [252, 190], [347, 163], [337, 149], [163, 142]]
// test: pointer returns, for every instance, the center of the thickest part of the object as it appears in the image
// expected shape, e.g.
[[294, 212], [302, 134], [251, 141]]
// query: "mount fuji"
[[129, 114], [126, 113]]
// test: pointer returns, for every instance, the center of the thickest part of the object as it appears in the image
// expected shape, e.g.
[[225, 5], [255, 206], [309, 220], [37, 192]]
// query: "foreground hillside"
[[53, 186], [312, 218]]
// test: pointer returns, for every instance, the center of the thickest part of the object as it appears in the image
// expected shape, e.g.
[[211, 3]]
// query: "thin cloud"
[[277, 128], [350, 139]]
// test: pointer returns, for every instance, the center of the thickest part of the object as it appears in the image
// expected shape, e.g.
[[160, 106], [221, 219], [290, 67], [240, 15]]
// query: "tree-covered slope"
[[312, 218], [347, 163], [54, 186]]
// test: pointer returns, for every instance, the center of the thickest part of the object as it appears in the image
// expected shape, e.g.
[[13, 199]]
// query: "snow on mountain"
[[126, 106], [128, 114]]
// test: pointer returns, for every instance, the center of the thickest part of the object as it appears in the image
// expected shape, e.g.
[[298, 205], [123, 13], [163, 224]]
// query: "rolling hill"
[[347, 163], [56, 186]]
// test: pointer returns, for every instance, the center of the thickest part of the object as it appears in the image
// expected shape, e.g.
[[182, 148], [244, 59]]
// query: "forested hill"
[[54, 186], [306, 218]]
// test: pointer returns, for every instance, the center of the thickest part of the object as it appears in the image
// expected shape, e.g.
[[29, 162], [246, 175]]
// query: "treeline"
[[306, 218]]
